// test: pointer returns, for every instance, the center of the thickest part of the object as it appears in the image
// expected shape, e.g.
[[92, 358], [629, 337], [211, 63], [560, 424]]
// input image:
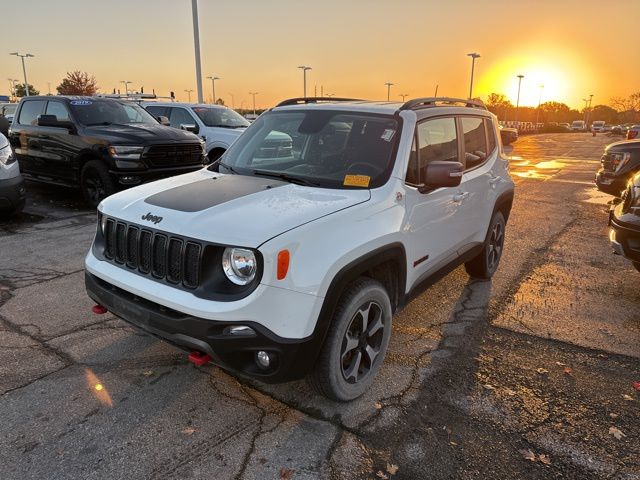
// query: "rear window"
[[30, 111]]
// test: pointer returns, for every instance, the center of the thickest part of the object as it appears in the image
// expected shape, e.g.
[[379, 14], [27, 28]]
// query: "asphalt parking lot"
[[527, 376]]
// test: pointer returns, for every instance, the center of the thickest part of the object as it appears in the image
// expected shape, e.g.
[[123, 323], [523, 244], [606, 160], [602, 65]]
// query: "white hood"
[[230, 210]]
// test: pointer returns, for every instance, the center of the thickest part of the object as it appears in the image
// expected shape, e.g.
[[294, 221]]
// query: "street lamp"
[[213, 86], [538, 111], [589, 110], [233, 101], [304, 69], [520, 77], [196, 45], [388, 84], [189, 93], [12, 87], [473, 64], [253, 94], [404, 95], [24, 70], [126, 86]]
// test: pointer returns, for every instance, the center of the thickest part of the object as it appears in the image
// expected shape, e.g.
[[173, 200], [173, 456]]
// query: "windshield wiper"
[[222, 164], [286, 178]]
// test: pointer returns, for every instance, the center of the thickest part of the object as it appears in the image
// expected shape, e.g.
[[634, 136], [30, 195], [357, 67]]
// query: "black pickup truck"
[[100, 144], [620, 162]]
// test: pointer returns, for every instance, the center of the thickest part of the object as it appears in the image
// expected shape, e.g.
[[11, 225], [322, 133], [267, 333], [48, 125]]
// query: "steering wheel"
[[362, 165]]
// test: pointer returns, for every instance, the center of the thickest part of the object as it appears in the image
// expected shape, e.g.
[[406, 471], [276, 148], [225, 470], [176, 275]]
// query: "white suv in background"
[[281, 266], [217, 125]]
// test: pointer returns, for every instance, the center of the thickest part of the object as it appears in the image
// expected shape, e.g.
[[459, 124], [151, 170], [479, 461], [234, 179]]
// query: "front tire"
[[96, 182], [485, 264], [357, 343]]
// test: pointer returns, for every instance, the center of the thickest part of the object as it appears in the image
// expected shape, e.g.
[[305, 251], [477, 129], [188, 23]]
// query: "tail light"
[[631, 134]]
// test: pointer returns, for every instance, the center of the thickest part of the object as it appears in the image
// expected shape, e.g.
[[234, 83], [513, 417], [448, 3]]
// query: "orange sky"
[[574, 48]]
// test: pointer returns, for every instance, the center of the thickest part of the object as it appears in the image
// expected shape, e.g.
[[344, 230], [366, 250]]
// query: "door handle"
[[460, 196]]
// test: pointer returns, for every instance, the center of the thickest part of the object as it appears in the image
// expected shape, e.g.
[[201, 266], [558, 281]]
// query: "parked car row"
[[619, 176]]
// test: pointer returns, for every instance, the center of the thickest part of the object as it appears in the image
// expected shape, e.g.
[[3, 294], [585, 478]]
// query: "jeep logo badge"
[[152, 218]]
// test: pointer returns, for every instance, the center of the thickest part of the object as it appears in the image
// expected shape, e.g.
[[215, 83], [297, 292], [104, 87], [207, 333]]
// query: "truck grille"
[[162, 256], [173, 155]]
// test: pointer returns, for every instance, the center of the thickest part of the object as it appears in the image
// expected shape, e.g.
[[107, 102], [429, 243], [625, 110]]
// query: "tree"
[[219, 101], [629, 107], [78, 83], [498, 104], [604, 112], [20, 91]]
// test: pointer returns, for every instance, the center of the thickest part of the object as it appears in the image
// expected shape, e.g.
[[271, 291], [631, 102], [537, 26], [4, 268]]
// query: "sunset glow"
[[353, 47]]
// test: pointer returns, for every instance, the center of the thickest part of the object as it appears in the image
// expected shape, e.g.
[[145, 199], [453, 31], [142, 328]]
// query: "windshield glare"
[[220, 117], [104, 112], [331, 149]]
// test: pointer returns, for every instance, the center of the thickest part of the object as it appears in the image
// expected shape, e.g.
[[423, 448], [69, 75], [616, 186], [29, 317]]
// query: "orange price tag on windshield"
[[356, 180]]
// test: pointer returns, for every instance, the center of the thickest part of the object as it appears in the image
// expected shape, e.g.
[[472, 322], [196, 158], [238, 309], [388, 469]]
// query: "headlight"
[[6, 157], [126, 152], [239, 265], [619, 160]]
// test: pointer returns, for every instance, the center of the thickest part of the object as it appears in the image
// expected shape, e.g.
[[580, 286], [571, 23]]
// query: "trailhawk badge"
[[152, 218]]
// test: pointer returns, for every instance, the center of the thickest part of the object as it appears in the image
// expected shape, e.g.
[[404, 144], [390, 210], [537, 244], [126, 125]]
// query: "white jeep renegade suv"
[[283, 266]]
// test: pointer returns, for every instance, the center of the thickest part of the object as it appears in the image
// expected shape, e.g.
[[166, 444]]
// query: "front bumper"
[[624, 238], [609, 183], [12, 194], [136, 177], [292, 358]]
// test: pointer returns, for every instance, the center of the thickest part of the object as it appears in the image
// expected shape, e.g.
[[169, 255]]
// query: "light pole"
[[12, 87], [520, 77], [538, 111], [589, 110], [253, 94], [24, 70], [388, 84], [126, 86], [233, 101], [404, 95], [196, 45], [213, 86], [189, 93], [584, 114], [304, 69], [473, 64]]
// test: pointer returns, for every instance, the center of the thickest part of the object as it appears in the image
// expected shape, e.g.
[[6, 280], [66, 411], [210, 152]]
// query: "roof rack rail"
[[305, 100], [440, 102]]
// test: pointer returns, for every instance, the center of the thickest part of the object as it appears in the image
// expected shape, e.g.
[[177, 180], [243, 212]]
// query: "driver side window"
[[437, 140]]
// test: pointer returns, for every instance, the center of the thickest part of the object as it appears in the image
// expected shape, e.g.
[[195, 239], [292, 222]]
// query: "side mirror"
[[189, 127], [163, 120], [442, 174], [52, 121]]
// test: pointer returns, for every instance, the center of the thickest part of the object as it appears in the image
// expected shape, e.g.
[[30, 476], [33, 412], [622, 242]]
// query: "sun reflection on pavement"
[[98, 389]]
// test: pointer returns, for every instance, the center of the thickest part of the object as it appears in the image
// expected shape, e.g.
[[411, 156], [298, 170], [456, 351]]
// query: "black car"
[[624, 219], [100, 144], [620, 162]]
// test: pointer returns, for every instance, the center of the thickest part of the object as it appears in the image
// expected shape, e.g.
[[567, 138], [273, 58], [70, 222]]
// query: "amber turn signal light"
[[283, 264]]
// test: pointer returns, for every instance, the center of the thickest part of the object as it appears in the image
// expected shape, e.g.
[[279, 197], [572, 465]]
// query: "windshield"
[[317, 147], [107, 112], [220, 117]]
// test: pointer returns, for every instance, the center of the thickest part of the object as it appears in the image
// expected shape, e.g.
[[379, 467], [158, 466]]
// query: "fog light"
[[130, 180], [263, 359], [239, 331]]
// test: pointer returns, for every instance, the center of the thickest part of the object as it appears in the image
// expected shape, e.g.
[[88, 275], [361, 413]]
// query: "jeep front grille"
[[160, 255]]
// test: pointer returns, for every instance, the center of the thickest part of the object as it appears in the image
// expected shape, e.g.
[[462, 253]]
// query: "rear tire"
[[485, 264], [356, 344], [96, 182]]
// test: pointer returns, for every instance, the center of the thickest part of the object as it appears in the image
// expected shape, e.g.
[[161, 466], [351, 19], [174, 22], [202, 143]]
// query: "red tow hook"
[[198, 358], [99, 309]]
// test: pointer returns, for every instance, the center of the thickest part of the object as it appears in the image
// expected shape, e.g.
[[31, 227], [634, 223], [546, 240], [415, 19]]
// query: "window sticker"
[[81, 102], [356, 180], [387, 135]]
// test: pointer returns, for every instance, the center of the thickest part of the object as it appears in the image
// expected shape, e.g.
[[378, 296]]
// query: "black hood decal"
[[203, 194]]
